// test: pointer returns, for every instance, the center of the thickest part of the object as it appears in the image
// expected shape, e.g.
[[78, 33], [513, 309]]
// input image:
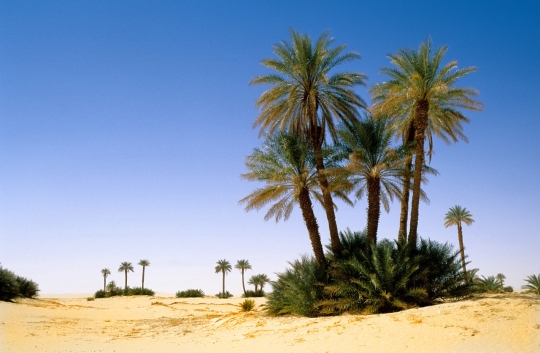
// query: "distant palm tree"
[[223, 266], [419, 90], [263, 279], [111, 286], [533, 285], [258, 280], [125, 267], [143, 263], [500, 277], [105, 272], [306, 100], [455, 216], [243, 265]]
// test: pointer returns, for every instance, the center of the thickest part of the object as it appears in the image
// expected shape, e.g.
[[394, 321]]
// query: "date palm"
[[533, 285], [105, 272], [454, 217], [125, 267], [143, 263], [243, 265], [259, 280], [224, 267], [423, 93], [307, 100], [287, 165]]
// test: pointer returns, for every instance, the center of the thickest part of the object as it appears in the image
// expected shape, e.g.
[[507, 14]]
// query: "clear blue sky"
[[124, 127]]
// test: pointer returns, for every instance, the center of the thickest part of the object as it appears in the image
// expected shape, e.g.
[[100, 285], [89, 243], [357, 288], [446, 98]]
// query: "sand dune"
[[498, 323]]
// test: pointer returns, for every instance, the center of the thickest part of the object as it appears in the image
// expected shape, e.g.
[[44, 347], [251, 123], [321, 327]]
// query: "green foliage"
[[9, 287], [225, 295], [533, 285], [490, 284], [140, 291], [508, 289], [247, 305], [27, 288], [90, 299], [101, 294], [297, 290], [252, 294], [190, 293]]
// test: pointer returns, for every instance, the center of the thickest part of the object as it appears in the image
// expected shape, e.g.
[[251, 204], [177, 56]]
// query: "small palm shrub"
[[297, 290], [190, 293], [100, 294], [489, 284], [247, 305], [225, 295], [141, 291], [9, 287], [27, 288], [533, 285], [252, 294]]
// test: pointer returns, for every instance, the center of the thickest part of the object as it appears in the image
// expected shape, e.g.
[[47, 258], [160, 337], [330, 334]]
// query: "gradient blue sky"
[[124, 127]]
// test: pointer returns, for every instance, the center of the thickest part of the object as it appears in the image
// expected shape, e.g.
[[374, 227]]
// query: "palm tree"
[[223, 266], [423, 94], [374, 167], [533, 285], [111, 286], [125, 267], [243, 265], [263, 279], [143, 263], [306, 100], [287, 165], [455, 216], [500, 277], [105, 272]]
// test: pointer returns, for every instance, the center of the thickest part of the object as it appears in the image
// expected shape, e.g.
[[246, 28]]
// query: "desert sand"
[[496, 323]]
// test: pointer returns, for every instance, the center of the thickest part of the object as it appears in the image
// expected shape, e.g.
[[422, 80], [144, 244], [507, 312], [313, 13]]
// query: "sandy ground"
[[498, 323]]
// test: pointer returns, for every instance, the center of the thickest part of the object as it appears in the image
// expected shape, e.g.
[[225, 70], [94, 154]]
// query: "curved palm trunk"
[[311, 223], [104, 283], [243, 286], [462, 251], [405, 193], [143, 277], [328, 205], [223, 291], [374, 210], [420, 123]]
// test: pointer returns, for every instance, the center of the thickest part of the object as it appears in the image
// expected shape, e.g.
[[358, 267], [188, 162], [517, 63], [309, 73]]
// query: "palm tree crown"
[[422, 95], [243, 265], [223, 266], [305, 99], [143, 263], [125, 267]]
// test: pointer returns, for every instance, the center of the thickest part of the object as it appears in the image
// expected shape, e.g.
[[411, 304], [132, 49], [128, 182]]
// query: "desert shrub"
[[247, 305], [489, 284], [141, 291], [9, 287], [508, 289], [190, 293], [90, 299], [297, 290], [533, 285], [252, 294], [100, 294], [225, 295], [377, 281], [27, 288]]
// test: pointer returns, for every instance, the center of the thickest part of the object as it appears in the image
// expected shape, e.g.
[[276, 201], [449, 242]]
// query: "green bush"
[[140, 291], [100, 294], [225, 295], [9, 287], [27, 288], [297, 290], [190, 293], [247, 305], [489, 284], [252, 294], [508, 289], [533, 285]]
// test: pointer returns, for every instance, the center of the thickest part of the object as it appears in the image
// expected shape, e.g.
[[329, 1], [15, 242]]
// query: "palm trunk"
[[403, 217], [374, 210], [421, 124], [462, 251], [223, 291], [125, 285], [311, 223], [243, 286], [328, 205], [143, 277], [104, 283]]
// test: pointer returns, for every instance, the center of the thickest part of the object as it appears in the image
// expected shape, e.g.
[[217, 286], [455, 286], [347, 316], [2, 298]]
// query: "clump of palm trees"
[[224, 267], [309, 103], [111, 289]]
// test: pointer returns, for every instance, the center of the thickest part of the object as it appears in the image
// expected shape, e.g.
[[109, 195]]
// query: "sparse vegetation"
[[225, 295], [247, 305], [190, 293]]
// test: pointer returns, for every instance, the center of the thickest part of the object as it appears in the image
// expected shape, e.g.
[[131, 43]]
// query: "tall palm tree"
[[287, 165], [374, 167], [306, 99], [423, 93], [143, 263], [105, 272], [224, 267], [243, 265], [455, 216], [125, 267]]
